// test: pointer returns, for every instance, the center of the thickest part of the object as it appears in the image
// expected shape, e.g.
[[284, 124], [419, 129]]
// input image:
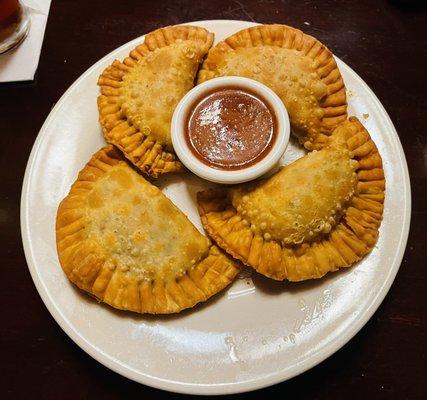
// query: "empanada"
[[316, 215], [120, 239], [139, 95], [300, 69]]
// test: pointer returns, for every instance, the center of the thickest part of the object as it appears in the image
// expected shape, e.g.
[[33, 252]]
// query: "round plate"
[[255, 333]]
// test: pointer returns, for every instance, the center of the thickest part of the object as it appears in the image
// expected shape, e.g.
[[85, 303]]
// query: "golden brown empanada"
[[316, 215], [300, 69], [139, 95], [120, 239]]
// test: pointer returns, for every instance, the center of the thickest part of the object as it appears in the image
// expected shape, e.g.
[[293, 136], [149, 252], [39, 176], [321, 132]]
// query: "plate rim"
[[194, 388]]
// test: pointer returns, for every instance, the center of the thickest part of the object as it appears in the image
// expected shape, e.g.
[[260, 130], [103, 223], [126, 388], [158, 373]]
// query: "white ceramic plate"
[[257, 332]]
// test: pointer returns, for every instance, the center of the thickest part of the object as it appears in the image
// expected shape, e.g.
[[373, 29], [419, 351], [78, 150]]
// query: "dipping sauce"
[[230, 128]]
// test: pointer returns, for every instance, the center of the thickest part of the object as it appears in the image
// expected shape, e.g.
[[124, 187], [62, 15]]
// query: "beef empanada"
[[300, 69], [120, 239], [316, 215], [139, 95]]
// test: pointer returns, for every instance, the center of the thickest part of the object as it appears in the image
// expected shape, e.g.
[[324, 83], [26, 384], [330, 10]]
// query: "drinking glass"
[[14, 23]]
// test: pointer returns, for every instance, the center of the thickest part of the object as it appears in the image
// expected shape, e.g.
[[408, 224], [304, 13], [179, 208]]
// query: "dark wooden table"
[[384, 41]]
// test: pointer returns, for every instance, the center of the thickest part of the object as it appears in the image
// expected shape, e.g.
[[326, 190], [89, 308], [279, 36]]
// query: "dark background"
[[383, 41]]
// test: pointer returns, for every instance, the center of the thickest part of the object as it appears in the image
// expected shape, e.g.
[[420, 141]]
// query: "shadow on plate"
[[271, 287], [263, 284], [90, 299]]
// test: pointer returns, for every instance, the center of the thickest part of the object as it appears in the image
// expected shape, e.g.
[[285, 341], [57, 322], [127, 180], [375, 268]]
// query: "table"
[[384, 41]]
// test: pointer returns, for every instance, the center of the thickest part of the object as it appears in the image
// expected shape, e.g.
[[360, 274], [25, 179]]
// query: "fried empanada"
[[316, 215], [139, 95], [300, 69], [120, 239]]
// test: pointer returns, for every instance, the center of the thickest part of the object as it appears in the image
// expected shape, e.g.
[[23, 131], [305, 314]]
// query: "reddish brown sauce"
[[230, 128]]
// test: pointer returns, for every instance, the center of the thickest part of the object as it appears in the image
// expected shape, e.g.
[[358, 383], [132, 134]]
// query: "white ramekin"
[[230, 176]]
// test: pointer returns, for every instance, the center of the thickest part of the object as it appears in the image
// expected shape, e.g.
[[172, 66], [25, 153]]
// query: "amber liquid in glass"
[[10, 16]]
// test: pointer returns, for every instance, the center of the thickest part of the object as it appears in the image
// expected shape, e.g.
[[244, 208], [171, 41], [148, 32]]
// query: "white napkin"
[[20, 64]]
